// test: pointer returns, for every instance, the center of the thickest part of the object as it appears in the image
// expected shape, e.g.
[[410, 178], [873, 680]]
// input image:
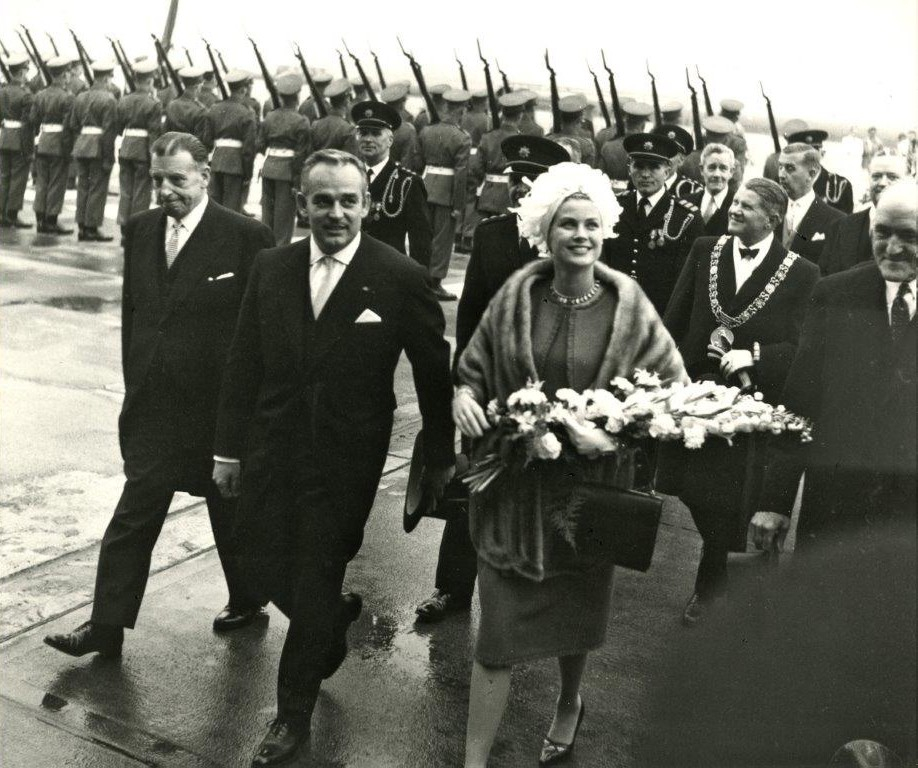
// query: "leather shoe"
[[104, 639], [235, 618], [281, 742], [442, 294], [53, 228], [438, 605], [694, 611], [351, 606], [556, 752], [94, 235]]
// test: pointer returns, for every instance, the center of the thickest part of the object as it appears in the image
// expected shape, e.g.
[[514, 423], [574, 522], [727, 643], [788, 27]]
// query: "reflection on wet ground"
[[88, 304]]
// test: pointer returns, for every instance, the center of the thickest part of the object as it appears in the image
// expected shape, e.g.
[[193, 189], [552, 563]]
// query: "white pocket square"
[[818, 236], [224, 276], [368, 316]]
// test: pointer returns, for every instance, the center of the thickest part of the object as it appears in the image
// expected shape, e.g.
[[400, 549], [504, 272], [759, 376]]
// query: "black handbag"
[[616, 524]]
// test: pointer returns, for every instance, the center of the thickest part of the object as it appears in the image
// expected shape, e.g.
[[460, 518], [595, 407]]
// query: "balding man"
[[759, 294], [807, 217], [854, 374], [848, 239]]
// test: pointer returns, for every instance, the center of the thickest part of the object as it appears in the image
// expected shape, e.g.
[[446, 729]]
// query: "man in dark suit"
[[807, 217], [715, 199], [848, 239], [497, 252], [307, 406], [398, 207], [185, 269], [855, 375], [760, 297], [832, 188]]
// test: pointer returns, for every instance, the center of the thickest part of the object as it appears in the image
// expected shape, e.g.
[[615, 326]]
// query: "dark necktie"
[[748, 253], [643, 208], [369, 175], [898, 316]]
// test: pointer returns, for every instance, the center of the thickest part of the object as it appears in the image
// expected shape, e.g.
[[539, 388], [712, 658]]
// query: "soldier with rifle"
[[207, 95], [139, 121], [17, 140], [93, 125], [335, 131], [310, 108], [230, 131], [718, 130], [405, 149], [51, 109], [487, 168], [671, 111], [476, 123], [445, 157], [436, 92], [186, 113], [613, 158], [571, 109], [528, 125], [284, 138]]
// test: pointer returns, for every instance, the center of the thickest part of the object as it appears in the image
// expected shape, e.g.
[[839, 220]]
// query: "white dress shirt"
[[743, 268], [188, 224], [375, 170], [325, 270], [718, 199], [654, 198], [891, 290], [796, 210]]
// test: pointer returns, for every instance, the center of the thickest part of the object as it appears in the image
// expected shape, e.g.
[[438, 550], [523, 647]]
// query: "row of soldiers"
[[459, 155]]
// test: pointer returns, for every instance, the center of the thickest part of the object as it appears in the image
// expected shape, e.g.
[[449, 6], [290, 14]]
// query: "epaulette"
[[690, 207], [495, 218], [624, 193], [406, 171]]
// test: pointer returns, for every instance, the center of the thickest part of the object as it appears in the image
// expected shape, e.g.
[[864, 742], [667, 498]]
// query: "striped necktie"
[[898, 313], [172, 244]]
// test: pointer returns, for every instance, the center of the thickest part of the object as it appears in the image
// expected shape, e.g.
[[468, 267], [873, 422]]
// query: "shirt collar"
[[893, 288], [718, 198], [670, 181], [344, 256], [655, 197], [872, 212], [763, 246], [193, 217], [377, 169], [804, 202]]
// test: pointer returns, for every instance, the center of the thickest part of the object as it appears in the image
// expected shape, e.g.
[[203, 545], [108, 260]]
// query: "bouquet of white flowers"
[[530, 427]]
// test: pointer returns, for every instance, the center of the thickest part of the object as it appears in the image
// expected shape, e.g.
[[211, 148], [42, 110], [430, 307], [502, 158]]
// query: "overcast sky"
[[846, 62]]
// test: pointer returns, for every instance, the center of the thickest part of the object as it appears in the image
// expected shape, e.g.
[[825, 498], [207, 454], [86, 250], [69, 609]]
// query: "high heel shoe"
[[556, 752]]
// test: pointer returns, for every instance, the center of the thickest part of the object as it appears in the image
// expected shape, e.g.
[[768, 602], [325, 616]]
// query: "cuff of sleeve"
[[226, 460]]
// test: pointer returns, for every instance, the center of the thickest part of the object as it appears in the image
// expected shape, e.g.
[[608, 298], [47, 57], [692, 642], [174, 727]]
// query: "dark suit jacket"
[[847, 243], [404, 194], [177, 326], [860, 390], [305, 393], [716, 476], [717, 224], [810, 237]]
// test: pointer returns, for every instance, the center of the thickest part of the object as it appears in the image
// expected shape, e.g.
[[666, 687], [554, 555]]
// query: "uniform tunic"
[[399, 209], [186, 114], [17, 144], [285, 139], [229, 129], [51, 117], [92, 122], [137, 113], [487, 170]]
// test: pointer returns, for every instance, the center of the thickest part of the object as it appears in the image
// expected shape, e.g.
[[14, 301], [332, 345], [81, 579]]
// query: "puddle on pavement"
[[88, 304]]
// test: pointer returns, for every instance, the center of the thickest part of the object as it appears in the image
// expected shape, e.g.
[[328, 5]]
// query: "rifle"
[[35, 55], [363, 75], [657, 114], [696, 114], [704, 87], [462, 78], [4, 50], [125, 68], [222, 63], [224, 93], [343, 66], [7, 75], [422, 86], [188, 56], [84, 58], [772, 125], [493, 106], [616, 104], [269, 81], [382, 80], [555, 98], [602, 102], [167, 65], [53, 44], [321, 106], [503, 77]]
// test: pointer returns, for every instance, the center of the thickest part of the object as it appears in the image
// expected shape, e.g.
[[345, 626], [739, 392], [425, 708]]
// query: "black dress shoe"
[[556, 752], [53, 228], [351, 606], [438, 605], [104, 639], [281, 743], [94, 235], [235, 618], [442, 294]]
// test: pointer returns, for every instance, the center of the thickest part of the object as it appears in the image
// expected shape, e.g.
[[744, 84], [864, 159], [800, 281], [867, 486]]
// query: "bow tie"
[[748, 253]]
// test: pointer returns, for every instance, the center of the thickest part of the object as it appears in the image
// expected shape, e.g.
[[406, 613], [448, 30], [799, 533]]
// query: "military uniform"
[[186, 114], [230, 130], [284, 139], [51, 110], [613, 159], [333, 132], [528, 125], [139, 119], [17, 144], [445, 155], [398, 209], [208, 96], [404, 149], [92, 122], [308, 108], [834, 189], [487, 172]]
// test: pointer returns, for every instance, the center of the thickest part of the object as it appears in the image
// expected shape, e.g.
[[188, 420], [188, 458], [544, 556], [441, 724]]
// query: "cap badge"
[[368, 113], [671, 135], [809, 139], [524, 152], [648, 145]]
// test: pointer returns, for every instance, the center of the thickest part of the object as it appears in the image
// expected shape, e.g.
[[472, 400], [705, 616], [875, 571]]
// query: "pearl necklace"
[[573, 301]]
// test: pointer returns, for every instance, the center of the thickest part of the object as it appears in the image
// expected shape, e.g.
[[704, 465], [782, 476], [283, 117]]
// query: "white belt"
[[439, 170], [137, 133], [279, 152], [497, 178], [51, 127], [234, 143], [91, 130], [12, 124]]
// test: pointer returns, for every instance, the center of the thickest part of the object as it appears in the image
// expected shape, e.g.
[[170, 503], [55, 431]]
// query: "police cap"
[[289, 83], [812, 136], [678, 134], [532, 155], [375, 114], [651, 145], [794, 126]]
